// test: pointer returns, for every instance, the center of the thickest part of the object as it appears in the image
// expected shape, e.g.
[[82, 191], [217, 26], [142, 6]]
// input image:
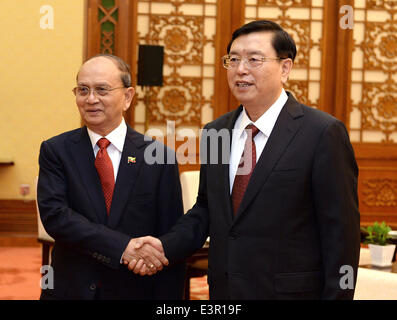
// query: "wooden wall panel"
[[18, 216], [378, 195]]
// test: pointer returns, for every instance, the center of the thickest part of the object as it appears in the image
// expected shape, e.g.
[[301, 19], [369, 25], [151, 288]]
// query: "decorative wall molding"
[[377, 185], [380, 192]]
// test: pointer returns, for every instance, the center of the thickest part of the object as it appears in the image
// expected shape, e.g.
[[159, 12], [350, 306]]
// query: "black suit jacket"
[[89, 244], [298, 222]]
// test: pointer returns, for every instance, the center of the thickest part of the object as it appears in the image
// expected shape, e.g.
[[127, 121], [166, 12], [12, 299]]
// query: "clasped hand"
[[145, 256]]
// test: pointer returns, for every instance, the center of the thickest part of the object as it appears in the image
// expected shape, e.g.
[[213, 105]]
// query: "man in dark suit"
[[282, 214], [96, 193]]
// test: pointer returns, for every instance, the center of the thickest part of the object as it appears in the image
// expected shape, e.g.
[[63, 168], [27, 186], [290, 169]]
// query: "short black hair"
[[282, 42], [124, 68]]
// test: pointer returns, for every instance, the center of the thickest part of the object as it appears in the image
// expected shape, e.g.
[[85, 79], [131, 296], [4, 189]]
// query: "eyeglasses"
[[83, 91], [251, 62]]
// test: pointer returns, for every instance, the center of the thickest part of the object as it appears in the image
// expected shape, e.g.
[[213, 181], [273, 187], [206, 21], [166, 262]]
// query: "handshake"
[[144, 256]]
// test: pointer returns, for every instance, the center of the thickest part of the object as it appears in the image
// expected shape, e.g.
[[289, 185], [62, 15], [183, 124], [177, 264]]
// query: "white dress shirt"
[[265, 125], [115, 148]]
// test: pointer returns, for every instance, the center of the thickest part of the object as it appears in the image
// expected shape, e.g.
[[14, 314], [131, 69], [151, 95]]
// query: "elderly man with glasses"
[[282, 215], [96, 193]]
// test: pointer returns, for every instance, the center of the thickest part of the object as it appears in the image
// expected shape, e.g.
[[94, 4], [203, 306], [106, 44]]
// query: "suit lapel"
[[287, 124], [83, 154], [127, 174]]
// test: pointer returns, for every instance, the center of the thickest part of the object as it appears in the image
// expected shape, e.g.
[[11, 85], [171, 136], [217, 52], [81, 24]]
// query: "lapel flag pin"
[[131, 159]]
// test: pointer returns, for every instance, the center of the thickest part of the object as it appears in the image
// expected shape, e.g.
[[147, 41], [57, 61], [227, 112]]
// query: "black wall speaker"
[[150, 65]]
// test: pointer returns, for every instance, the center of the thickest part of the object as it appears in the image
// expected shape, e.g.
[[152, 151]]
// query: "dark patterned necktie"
[[245, 167], [104, 168]]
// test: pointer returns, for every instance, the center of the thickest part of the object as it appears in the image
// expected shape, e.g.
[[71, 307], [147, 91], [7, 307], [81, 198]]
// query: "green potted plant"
[[380, 249]]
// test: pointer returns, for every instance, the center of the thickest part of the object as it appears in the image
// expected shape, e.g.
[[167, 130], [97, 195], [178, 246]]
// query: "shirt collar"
[[266, 121], [116, 137]]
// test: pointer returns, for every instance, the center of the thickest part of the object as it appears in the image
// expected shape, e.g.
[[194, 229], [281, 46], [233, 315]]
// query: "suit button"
[[93, 286], [233, 235]]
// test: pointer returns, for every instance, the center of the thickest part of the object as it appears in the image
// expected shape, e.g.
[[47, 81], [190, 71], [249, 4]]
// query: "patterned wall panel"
[[187, 31], [378, 194], [303, 19], [373, 107], [108, 19]]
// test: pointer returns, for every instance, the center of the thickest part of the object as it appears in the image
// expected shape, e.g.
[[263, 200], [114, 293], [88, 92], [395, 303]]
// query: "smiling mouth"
[[243, 84]]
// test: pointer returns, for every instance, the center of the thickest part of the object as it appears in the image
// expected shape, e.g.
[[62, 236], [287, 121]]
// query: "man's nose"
[[242, 67], [92, 98]]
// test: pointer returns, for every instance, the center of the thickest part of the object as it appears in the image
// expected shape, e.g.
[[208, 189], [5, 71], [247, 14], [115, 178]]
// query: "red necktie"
[[104, 168], [245, 167]]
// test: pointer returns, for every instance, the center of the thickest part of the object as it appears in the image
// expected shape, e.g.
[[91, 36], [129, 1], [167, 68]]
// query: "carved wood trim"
[[327, 96], [222, 97], [336, 62], [377, 187], [343, 70], [236, 19]]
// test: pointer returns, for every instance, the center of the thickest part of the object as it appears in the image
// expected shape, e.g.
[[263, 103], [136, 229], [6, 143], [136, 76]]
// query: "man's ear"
[[286, 67], [129, 94]]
